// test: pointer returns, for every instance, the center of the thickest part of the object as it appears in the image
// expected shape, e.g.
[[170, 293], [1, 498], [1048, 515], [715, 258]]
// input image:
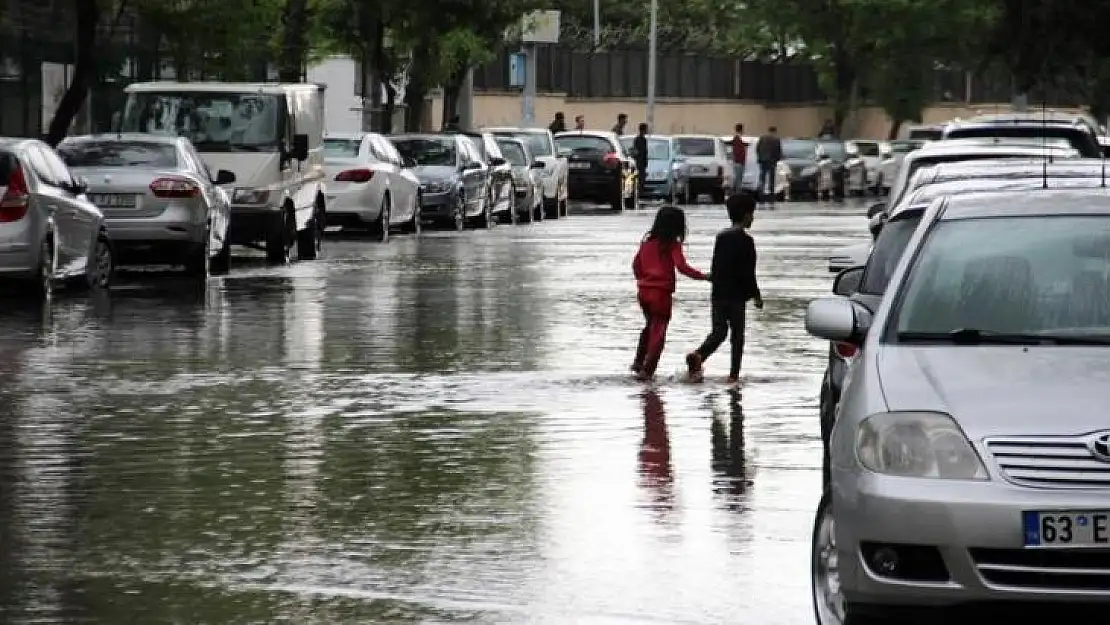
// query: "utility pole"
[[597, 24], [652, 53], [528, 102], [464, 104]]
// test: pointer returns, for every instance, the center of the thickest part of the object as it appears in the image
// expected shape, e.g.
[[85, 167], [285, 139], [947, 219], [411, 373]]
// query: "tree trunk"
[[88, 14], [844, 81], [895, 128], [294, 41], [451, 89]]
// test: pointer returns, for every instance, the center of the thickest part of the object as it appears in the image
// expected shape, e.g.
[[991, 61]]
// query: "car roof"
[[1023, 203], [600, 134], [985, 145], [695, 136], [136, 137], [353, 136], [929, 192], [425, 135], [534, 130], [663, 137], [1018, 118], [511, 140], [1019, 164]]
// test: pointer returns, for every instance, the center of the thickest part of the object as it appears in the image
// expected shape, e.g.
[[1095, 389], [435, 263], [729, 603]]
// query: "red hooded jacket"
[[655, 264]]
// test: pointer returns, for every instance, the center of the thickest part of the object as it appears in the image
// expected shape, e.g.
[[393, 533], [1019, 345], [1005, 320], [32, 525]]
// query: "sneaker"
[[733, 380], [693, 363], [643, 377]]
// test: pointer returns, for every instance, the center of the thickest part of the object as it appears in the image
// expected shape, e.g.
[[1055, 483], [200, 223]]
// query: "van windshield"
[[213, 121]]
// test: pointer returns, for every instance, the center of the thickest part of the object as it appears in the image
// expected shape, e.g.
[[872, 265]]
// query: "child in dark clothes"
[[734, 283], [654, 266]]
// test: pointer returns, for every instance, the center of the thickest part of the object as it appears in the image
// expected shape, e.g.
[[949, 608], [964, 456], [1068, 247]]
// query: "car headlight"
[[810, 171], [251, 196], [917, 444], [437, 186]]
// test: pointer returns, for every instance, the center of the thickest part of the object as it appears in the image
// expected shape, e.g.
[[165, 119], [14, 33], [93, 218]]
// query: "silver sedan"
[[49, 231], [159, 200], [970, 458]]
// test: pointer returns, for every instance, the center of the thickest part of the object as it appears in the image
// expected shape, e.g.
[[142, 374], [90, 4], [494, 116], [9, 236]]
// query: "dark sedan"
[[800, 155], [599, 169]]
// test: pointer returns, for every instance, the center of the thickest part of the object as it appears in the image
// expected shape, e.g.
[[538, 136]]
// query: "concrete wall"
[[715, 117]]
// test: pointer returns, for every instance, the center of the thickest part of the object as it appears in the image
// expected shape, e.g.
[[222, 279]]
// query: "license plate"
[[579, 165], [698, 170], [113, 200], [332, 197], [1088, 528]]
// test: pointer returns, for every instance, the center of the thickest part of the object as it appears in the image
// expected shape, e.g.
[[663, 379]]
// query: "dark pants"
[[641, 175], [656, 304], [727, 315], [766, 179]]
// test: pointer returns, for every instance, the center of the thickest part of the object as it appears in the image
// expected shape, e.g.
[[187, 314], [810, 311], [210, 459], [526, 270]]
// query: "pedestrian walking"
[[559, 124], [734, 284], [739, 158], [579, 122], [640, 155], [622, 122], [768, 152], [657, 259]]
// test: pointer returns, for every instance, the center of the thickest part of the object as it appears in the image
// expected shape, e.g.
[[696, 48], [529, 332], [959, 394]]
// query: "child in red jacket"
[[654, 266]]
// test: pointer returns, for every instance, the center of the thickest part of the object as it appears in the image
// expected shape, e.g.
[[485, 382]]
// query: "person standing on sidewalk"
[[732, 273], [640, 155], [739, 158], [768, 151], [579, 122], [559, 124], [622, 123]]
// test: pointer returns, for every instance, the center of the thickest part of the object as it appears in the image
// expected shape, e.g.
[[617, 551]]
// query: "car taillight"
[[13, 206], [170, 188], [611, 160], [354, 175], [845, 350]]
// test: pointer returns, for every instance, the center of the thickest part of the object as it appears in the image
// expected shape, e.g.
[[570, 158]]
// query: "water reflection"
[[730, 475], [656, 472]]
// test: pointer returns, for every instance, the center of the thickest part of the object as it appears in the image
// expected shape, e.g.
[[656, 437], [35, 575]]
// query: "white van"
[[269, 135]]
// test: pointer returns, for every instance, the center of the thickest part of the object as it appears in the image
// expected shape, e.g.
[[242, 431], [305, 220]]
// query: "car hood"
[[428, 173], [799, 163], [1001, 390]]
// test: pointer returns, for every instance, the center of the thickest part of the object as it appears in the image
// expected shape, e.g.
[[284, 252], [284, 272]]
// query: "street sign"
[[540, 27], [517, 64]]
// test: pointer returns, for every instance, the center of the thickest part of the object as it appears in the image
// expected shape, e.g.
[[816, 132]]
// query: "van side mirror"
[[224, 176], [300, 148], [848, 281], [875, 209], [537, 165]]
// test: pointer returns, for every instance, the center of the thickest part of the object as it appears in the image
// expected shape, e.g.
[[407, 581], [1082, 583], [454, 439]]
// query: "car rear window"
[[341, 148], [584, 144], [690, 146], [887, 251], [118, 154], [868, 149], [7, 166], [513, 153], [1082, 141]]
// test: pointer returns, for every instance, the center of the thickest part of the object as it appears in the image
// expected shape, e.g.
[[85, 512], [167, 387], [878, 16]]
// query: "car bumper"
[[660, 188], [976, 529], [600, 188], [354, 204], [438, 205], [705, 184], [803, 185]]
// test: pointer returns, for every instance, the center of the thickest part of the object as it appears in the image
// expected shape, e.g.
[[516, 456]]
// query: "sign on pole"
[[540, 27], [517, 64]]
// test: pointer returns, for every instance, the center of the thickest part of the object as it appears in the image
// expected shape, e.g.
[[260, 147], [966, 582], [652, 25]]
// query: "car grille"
[[1045, 569], [1049, 462]]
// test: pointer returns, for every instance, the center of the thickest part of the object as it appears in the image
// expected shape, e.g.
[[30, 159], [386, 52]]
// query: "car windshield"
[[213, 121], [513, 153], [694, 146], [436, 152], [904, 147], [798, 149], [926, 134], [658, 149], [118, 154], [537, 142], [886, 253], [1043, 135], [341, 148], [866, 148], [1029, 275], [835, 150], [583, 144]]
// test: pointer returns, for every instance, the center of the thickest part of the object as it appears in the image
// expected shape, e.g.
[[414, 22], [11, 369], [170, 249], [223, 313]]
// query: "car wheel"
[[99, 275], [416, 222], [310, 241], [460, 213], [550, 208], [221, 262], [617, 201], [43, 285], [380, 229], [829, 606], [199, 262], [279, 238]]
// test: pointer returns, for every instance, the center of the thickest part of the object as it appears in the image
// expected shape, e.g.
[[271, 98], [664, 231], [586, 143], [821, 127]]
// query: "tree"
[[295, 23]]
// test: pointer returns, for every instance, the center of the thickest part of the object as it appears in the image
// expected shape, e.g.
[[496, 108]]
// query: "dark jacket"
[[557, 126], [640, 151], [733, 268], [768, 149]]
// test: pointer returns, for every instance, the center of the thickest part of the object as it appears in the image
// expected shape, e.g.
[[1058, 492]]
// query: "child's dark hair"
[[739, 206], [669, 225]]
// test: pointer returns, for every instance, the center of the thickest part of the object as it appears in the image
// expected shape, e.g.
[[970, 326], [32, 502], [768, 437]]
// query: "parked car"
[[925, 132], [49, 230], [846, 169], [708, 169], [500, 192], [453, 177], [556, 187], [1076, 129], [751, 171], [969, 454], [872, 154], [666, 171], [600, 170], [806, 177], [527, 180], [888, 169], [370, 185], [160, 202]]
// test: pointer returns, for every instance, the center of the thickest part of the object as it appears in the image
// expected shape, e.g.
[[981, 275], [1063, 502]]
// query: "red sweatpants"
[[656, 304]]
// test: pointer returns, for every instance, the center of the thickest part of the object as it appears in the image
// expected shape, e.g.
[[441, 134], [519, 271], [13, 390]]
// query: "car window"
[[866, 148], [538, 142], [342, 148], [1076, 138], [695, 146], [887, 251], [1011, 275], [491, 147], [514, 153], [142, 154], [436, 152], [584, 144], [796, 149]]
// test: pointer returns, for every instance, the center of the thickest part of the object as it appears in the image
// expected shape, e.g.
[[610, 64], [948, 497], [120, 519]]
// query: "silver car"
[[160, 202], [970, 460], [49, 231], [527, 179]]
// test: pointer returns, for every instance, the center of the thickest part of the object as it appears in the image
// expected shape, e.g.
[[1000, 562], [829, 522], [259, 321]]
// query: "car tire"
[[380, 228], [459, 216], [42, 285], [416, 224], [279, 237], [616, 202], [99, 276], [550, 209], [221, 262], [198, 263]]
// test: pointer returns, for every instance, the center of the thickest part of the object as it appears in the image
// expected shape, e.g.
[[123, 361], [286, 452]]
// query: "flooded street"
[[442, 429]]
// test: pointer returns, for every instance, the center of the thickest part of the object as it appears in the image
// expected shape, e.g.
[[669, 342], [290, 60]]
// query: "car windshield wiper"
[[973, 336]]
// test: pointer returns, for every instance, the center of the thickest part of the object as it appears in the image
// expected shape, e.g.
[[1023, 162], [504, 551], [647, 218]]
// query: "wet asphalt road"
[[437, 430]]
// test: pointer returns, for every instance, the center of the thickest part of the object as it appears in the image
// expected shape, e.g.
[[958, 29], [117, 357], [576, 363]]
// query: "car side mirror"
[[224, 176], [837, 318], [848, 281], [300, 148], [471, 166], [497, 161], [537, 165], [875, 225], [79, 186], [875, 209], [408, 162]]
